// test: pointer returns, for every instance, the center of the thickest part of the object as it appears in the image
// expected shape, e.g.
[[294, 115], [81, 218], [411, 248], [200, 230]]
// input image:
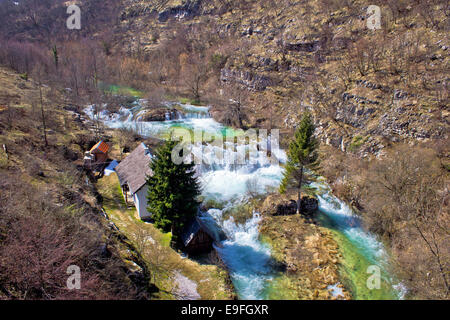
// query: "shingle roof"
[[190, 231], [134, 169], [198, 224], [101, 146]]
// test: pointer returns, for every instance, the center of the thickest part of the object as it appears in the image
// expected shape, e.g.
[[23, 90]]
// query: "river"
[[247, 258]]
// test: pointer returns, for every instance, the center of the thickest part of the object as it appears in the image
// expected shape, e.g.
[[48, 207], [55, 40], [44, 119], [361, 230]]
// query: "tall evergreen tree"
[[172, 192], [302, 154]]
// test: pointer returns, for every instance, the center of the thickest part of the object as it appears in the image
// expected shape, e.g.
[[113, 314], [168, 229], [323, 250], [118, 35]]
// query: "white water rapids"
[[245, 256], [247, 259]]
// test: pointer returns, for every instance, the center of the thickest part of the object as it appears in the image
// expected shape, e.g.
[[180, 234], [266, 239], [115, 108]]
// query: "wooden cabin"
[[133, 172], [197, 238], [100, 152], [97, 157]]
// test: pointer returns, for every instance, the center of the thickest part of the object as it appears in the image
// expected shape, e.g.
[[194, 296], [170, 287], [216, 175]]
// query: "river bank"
[[271, 268], [176, 276], [364, 255], [327, 255], [307, 257]]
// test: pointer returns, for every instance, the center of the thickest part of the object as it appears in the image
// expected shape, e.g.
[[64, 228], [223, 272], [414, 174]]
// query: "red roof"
[[100, 146]]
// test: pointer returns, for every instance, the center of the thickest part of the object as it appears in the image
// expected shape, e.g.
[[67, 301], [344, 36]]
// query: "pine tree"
[[302, 154], [172, 192]]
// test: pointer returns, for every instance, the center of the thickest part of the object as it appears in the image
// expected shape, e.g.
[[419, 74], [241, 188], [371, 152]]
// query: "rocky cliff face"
[[285, 206], [248, 79], [367, 88]]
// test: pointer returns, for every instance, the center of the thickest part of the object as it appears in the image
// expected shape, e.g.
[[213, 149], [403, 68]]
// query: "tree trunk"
[[44, 127], [299, 201]]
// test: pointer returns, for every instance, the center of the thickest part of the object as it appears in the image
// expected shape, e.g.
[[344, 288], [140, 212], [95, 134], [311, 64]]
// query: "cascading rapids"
[[246, 257], [365, 245]]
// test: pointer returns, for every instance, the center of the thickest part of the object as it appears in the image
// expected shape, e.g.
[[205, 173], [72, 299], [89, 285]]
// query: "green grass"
[[193, 102], [122, 90], [211, 280], [357, 142]]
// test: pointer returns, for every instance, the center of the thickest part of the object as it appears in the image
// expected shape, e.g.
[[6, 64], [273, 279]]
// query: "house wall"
[[140, 201], [101, 157]]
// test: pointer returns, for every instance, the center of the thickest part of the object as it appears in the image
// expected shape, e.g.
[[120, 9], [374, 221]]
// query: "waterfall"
[[226, 182], [366, 249], [247, 259]]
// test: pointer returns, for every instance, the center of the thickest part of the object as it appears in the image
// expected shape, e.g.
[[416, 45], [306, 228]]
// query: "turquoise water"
[[247, 258], [362, 252]]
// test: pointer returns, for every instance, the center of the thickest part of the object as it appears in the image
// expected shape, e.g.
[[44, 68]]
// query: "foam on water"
[[130, 118], [366, 243], [192, 108], [227, 185], [246, 257]]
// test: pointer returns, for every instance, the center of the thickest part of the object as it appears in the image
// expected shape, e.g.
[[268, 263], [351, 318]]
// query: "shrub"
[[357, 142]]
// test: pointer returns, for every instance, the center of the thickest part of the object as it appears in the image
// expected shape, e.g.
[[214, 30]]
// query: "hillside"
[[380, 106], [368, 88], [53, 216], [50, 217]]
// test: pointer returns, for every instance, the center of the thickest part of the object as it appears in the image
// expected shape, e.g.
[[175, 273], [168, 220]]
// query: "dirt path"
[[186, 289]]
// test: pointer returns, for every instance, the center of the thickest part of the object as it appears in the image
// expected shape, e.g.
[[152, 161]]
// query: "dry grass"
[[154, 246], [309, 255]]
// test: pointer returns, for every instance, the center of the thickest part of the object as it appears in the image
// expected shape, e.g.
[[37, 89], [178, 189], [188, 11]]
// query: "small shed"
[[97, 157], [197, 237], [100, 151]]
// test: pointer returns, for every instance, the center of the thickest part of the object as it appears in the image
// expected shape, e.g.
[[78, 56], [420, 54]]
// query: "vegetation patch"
[[357, 142], [122, 90], [306, 257], [194, 102], [162, 260]]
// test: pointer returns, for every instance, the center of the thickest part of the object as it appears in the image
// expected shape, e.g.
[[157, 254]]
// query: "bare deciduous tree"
[[407, 201]]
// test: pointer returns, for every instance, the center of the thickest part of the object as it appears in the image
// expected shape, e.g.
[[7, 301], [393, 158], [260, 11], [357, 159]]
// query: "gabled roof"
[[198, 224], [100, 146], [135, 168], [190, 231]]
